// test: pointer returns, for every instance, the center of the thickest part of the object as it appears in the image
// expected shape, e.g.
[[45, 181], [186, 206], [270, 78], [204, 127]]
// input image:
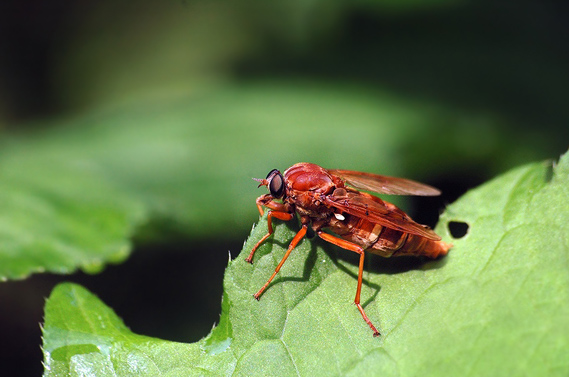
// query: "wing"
[[377, 211], [383, 184]]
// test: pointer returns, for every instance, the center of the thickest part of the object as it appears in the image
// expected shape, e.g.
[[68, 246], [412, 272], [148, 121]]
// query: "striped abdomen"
[[384, 241]]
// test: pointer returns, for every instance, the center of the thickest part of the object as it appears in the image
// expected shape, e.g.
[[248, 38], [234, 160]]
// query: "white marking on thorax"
[[339, 216]]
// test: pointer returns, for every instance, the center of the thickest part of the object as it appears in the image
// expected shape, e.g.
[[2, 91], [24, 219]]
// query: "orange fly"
[[324, 199]]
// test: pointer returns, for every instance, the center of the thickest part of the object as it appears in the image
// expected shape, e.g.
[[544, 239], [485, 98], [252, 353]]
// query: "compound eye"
[[276, 183], [271, 173]]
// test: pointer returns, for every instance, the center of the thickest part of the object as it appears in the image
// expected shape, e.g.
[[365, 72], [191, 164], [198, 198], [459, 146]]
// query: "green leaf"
[[57, 216], [498, 302]]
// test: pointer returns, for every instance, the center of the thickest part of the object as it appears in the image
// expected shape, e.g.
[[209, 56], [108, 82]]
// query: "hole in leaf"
[[458, 229]]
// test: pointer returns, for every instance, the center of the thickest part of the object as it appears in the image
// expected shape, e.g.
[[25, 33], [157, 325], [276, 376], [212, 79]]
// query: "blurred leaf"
[[58, 215], [499, 301], [74, 194]]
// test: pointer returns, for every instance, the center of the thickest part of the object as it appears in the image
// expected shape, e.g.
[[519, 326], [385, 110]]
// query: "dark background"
[[505, 58]]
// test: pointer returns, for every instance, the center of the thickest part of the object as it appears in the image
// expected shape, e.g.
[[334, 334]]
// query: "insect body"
[[324, 199]]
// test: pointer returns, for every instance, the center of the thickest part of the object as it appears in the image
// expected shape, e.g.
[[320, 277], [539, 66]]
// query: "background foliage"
[[137, 127]]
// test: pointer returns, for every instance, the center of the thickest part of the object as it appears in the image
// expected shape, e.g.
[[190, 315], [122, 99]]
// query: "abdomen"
[[396, 243], [385, 241]]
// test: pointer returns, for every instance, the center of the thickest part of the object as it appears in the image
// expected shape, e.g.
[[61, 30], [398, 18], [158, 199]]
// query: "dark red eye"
[[276, 183]]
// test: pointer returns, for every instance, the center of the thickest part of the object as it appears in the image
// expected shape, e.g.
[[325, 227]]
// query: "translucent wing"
[[377, 211], [383, 184]]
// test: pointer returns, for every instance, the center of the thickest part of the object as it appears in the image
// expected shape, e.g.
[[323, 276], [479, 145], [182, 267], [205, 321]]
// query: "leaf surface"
[[498, 302]]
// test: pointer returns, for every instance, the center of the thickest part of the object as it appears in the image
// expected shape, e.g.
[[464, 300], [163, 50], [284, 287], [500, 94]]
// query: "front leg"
[[268, 201], [280, 211]]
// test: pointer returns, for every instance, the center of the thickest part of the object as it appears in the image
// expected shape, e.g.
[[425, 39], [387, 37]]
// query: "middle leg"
[[301, 233]]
